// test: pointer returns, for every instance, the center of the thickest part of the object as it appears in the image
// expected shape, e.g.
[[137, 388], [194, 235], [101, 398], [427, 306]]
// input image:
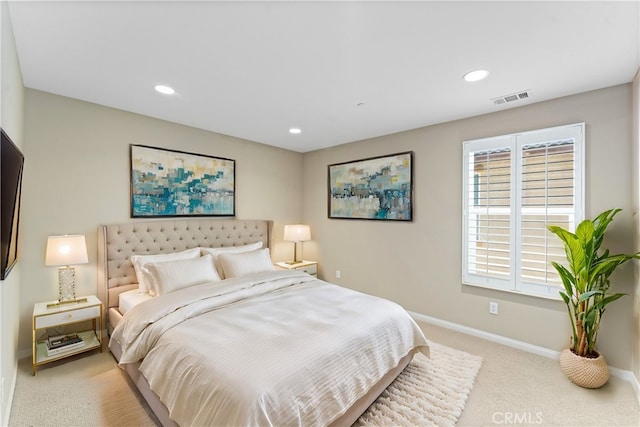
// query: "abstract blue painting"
[[376, 188], [174, 183]]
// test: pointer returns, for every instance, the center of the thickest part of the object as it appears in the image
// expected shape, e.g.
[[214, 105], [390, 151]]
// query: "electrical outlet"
[[337, 274], [493, 307]]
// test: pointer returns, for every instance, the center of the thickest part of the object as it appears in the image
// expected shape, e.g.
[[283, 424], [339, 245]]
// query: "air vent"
[[512, 97]]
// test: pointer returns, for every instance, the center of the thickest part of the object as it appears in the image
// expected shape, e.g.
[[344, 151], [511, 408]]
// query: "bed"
[[241, 343]]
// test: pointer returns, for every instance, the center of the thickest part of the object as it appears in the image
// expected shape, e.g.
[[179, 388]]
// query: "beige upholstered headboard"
[[117, 242]]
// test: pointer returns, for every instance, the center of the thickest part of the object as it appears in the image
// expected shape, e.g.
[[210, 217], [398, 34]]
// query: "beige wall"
[[418, 264], [77, 177], [11, 120]]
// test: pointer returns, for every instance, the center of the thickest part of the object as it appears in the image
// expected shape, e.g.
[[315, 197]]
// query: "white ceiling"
[[255, 69]]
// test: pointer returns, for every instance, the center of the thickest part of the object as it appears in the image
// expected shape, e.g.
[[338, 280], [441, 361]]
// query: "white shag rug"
[[429, 392]]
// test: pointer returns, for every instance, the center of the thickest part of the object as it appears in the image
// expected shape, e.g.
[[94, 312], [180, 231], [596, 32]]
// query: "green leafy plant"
[[586, 279]]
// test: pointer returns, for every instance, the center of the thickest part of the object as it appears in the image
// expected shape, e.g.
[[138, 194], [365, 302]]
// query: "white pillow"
[[139, 262], [240, 264], [229, 250], [169, 276]]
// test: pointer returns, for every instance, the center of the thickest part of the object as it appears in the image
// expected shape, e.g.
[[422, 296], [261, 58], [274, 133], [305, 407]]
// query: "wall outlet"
[[337, 274], [493, 307]]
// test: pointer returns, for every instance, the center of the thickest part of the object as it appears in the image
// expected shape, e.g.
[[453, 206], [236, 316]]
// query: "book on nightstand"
[[62, 343]]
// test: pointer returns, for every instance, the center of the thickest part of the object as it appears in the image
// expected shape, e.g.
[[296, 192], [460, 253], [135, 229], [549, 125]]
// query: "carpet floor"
[[93, 391]]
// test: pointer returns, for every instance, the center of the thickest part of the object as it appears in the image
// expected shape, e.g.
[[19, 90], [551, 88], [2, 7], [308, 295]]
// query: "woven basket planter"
[[584, 371]]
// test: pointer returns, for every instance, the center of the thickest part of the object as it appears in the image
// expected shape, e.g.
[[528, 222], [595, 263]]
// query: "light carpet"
[[429, 392]]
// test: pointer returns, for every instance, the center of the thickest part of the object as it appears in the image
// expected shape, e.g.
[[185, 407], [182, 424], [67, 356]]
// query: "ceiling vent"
[[512, 97]]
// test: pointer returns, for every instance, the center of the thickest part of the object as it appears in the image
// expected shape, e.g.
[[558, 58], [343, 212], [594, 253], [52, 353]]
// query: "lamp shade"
[[66, 250], [297, 233]]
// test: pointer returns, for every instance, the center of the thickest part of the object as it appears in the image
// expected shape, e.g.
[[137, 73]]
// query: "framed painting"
[[169, 183], [378, 188]]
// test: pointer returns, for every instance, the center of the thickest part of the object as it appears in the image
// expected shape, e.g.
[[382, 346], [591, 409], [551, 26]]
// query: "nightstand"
[[53, 315], [309, 267]]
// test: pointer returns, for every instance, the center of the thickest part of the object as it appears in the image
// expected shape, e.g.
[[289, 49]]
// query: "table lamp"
[[65, 251], [296, 233]]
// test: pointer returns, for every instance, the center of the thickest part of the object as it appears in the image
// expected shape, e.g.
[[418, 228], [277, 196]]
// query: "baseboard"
[[25, 352], [520, 345], [628, 376], [7, 414]]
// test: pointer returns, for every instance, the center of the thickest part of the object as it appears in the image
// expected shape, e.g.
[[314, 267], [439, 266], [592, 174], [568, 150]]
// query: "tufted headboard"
[[117, 242]]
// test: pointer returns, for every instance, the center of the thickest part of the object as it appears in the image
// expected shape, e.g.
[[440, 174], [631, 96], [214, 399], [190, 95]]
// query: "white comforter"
[[277, 348]]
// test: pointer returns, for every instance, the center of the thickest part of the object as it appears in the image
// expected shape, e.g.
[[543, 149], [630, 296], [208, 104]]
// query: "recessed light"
[[295, 131], [166, 90], [475, 75]]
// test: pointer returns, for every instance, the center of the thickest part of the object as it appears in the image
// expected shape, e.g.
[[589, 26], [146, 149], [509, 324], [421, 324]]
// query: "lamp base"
[[67, 284], [295, 255]]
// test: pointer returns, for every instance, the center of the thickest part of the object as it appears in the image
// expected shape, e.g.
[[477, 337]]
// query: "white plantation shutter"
[[547, 197], [514, 187], [488, 202]]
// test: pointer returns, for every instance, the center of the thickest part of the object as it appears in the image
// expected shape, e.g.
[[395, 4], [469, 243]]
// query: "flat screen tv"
[[11, 165]]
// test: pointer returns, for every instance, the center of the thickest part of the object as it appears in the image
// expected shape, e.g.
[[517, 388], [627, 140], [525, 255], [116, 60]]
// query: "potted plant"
[[586, 284]]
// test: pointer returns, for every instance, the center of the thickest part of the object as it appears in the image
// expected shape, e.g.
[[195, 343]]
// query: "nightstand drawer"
[[311, 269], [70, 316]]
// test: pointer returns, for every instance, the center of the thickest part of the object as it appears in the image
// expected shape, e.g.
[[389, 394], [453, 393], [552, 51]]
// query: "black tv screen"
[[11, 165]]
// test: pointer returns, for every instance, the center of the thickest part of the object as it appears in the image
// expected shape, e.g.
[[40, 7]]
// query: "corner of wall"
[[636, 214], [12, 120]]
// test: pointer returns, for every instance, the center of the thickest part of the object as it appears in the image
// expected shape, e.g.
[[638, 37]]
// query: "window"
[[514, 186]]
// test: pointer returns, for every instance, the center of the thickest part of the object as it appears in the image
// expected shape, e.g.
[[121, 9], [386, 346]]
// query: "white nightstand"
[[309, 267], [53, 315]]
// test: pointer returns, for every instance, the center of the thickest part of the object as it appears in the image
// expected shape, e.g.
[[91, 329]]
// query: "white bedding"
[[274, 348], [131, 298]]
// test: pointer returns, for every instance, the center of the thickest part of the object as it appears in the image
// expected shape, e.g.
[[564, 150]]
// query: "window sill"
[[516, 292]]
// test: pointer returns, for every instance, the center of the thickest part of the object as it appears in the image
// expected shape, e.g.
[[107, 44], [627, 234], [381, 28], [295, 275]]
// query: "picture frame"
[[375, 188], [172, 183]]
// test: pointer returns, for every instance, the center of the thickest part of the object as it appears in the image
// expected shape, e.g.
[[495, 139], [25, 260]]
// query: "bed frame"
[[117, 242]]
